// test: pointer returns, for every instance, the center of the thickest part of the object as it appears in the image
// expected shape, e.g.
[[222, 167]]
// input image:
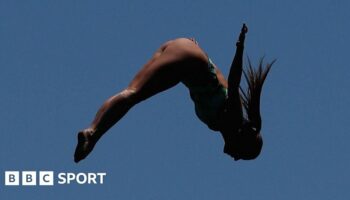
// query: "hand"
[[244, 29], [241, 38]]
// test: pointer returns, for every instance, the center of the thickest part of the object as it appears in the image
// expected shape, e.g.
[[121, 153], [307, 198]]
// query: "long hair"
[[255, 79]]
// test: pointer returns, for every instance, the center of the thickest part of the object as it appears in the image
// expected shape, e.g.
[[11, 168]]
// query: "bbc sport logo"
[[47, 178]]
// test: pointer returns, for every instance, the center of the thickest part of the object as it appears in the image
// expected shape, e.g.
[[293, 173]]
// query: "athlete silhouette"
[[222, 105]]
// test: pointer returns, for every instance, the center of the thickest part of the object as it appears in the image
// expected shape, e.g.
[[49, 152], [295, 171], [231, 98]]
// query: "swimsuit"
[[209, 98]]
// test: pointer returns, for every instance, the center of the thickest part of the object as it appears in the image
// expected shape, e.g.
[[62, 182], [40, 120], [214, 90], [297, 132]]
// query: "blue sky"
[[60, 60]]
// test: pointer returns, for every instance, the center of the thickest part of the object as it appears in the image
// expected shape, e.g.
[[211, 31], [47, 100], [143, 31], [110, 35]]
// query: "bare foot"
[[86, 142]]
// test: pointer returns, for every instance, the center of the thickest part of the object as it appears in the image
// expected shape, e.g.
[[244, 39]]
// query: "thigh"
[[169, 65], [162, 72]]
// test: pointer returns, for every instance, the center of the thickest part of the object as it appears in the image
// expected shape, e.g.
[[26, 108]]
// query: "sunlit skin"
[[174, 62]]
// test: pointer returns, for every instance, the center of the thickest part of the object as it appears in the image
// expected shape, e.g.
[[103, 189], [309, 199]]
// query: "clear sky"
[[60, 60]]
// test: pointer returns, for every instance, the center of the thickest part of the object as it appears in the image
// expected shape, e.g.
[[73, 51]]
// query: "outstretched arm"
[[234, 106], [234, 77]]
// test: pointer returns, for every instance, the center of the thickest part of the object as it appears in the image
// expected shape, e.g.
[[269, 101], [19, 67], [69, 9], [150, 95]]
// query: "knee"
[[131, 96]]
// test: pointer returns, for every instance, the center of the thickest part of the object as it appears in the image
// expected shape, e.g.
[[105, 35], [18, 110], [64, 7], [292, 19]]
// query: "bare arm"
[[234, 77], [234, 106]]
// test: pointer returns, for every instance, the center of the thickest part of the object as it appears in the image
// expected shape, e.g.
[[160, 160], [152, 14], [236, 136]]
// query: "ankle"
[[93, 133]]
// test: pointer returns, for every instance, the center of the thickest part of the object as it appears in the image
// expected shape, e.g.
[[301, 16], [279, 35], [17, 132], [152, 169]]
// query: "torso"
[[207, 85]]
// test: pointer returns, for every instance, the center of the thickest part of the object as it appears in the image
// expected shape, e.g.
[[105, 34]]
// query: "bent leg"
[[160, 73], [110, 112]]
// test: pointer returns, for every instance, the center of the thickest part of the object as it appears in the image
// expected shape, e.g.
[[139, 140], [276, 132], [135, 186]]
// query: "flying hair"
[[255, 79]]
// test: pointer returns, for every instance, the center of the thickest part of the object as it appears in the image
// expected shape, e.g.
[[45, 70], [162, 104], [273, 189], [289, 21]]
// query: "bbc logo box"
[[29, 178]]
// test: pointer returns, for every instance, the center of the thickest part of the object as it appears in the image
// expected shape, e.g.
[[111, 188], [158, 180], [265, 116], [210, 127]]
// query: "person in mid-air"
[[218, 103]]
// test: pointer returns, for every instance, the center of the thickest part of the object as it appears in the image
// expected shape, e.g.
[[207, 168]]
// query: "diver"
[[221, 104]]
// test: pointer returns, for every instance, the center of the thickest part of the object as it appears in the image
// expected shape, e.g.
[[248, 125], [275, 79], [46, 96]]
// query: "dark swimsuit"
[[209, 98]]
